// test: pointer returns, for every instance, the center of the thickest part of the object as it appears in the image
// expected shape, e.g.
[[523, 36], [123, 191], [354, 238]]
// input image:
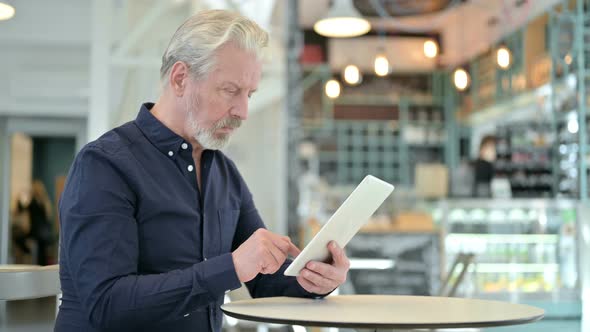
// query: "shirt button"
[[184, 146], [170, 153], [190, 168]]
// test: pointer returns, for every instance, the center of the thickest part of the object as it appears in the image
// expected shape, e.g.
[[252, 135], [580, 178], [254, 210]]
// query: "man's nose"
[[240, 110]]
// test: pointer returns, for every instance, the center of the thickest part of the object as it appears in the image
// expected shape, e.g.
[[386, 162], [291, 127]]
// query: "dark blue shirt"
[[141, 248]]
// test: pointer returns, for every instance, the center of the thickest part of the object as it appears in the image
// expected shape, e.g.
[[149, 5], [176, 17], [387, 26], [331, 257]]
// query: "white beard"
[[206, 137]]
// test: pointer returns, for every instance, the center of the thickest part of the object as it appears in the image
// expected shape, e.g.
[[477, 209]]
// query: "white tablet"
[[345, 222]]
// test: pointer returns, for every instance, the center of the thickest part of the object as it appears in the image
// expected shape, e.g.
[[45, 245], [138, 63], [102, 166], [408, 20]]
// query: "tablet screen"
[[345, 222]]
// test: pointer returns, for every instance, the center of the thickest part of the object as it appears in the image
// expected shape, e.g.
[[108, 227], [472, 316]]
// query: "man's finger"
[[285, 244], [308, 285], [280, 242], [338, 254], [318, 280], [275, 260], [293, 250], [323, 269]]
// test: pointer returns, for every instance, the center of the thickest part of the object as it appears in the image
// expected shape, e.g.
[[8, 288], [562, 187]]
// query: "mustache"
[[230, 122]]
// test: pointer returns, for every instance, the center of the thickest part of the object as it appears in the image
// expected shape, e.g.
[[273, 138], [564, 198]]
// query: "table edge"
[[260, 319]]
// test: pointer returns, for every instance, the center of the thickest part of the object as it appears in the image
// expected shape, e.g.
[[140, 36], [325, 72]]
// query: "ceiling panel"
[[464, 27], [405, 54]]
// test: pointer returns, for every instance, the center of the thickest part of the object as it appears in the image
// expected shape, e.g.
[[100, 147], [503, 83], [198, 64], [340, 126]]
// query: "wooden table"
[[383, 311]]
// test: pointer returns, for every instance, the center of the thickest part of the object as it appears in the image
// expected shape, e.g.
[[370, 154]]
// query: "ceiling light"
[[461, 79], [371, 264], [342, 20], [352, 75], [503, 57], [381, 65], [573, 126], [6, 11], [430, 48], [332, 89]]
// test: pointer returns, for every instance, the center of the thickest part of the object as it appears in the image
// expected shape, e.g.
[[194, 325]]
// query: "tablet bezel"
[[368, 195]]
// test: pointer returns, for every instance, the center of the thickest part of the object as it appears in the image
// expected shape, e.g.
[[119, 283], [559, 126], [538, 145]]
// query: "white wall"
[[4, 191], [44, 59], [43, 80], [55, 22], [45, 73], [256, 149], [21, 167]]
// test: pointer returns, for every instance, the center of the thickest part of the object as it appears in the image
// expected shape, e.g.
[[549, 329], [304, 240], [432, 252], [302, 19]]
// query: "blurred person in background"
[[39, 209], [483, 167], [157, 224]]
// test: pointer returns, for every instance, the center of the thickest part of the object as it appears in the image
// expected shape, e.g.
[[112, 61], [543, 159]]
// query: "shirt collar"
[[164, 139]]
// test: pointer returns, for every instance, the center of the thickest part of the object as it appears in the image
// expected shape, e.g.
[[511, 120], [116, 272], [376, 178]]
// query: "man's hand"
[[322, 278], [263, 252]]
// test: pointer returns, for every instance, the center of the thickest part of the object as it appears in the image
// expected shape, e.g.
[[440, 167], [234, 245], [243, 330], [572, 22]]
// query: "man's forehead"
[[238, 76]]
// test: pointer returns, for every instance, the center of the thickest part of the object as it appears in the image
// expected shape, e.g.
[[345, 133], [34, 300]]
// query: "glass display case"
[[525, 250]]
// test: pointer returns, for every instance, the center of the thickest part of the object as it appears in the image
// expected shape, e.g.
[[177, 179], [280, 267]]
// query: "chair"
[[449, 286], [462, 260]]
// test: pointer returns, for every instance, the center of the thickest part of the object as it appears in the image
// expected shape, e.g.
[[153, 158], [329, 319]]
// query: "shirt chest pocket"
[[228, 221]]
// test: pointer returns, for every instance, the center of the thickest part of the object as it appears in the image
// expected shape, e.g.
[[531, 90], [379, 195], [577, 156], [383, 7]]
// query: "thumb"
[[337, 253]]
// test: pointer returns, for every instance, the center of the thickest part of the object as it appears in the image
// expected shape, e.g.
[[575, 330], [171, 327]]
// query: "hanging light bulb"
[[573, 126], [381, 64], [342, 20], [503, 57], [568, 59], [6, 11], [332, 88], [461, 79], [352, 75], [430, 48]]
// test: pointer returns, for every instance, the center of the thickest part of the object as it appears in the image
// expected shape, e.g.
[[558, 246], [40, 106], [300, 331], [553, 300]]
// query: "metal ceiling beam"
[[293, 104]]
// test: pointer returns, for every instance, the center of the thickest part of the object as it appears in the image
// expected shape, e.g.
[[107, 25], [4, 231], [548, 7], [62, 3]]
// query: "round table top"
[[14, 268], [18, 282], [18, 267], [383, 311]]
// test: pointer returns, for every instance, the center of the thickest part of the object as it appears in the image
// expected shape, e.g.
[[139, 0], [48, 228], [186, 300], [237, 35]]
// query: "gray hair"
[[197, 39]]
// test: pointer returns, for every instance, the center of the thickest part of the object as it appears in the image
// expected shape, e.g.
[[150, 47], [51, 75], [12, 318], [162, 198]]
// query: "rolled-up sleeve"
[[99, 235]]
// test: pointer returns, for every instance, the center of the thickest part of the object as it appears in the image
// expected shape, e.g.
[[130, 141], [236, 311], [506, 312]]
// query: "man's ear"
[[178, 78]]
